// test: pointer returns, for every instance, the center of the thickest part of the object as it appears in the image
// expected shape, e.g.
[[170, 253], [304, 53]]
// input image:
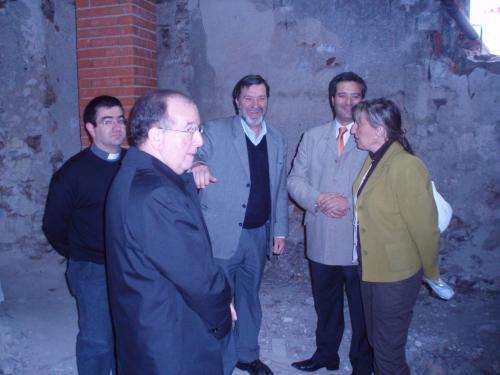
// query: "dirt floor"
[[38, 322]]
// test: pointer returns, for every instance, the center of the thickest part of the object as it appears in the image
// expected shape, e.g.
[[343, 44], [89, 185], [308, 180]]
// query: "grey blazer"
[[317, 168], [223, 203]]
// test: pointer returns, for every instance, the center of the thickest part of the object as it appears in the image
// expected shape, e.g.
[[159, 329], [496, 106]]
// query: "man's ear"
[[90, 128], [155, 136]]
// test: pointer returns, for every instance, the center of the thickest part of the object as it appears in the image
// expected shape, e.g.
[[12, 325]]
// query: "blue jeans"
[[95, 342]]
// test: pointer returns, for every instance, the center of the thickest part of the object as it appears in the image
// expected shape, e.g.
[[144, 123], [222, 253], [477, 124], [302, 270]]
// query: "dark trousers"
[[328, 283], [94, 342], [388, 311], [244, 272]]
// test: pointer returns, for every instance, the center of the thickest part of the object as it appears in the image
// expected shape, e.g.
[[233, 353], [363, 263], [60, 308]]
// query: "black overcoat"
[[169, 300]]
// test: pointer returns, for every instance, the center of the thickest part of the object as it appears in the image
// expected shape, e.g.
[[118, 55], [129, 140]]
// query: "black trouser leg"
[[328, 292]]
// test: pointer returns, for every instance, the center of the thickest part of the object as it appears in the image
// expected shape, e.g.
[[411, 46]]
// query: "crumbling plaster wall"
[[407, 50], [38, 113]]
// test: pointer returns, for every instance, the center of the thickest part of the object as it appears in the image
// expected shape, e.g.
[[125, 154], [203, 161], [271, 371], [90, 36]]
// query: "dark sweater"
[[258, 208], [73, 221]]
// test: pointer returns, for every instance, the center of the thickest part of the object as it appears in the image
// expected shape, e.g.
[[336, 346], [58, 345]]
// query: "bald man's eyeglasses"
[[190, 131]]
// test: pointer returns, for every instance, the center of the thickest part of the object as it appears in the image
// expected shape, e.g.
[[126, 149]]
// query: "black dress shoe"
[[310, 365], [256, 367]]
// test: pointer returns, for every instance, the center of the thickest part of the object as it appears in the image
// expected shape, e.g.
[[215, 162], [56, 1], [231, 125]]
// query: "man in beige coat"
[[321, 179]]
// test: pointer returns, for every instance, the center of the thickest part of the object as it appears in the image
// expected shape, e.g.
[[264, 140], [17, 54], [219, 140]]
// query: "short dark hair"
[[249, 80], [106, 101], [343, 77], [384, 113], [149, 110]]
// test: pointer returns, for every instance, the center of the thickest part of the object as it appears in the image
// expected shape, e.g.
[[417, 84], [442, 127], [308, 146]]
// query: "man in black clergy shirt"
[[74, 225], [170, 302]]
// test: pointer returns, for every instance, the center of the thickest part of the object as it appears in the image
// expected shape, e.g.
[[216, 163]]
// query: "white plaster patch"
[[312, 32], [247, 43], [324, 48]]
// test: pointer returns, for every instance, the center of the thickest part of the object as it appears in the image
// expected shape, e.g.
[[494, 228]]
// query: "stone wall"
[[407, 50], [38, 113]]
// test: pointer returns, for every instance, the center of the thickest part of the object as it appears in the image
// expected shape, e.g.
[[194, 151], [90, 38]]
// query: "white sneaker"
[[442, 289]]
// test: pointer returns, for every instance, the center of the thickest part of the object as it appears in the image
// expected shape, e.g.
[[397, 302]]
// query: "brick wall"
[[116, 51]]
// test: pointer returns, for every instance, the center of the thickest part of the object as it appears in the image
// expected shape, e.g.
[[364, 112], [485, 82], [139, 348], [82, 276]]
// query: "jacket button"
[[248, 185], [244, 205], [240, 224]]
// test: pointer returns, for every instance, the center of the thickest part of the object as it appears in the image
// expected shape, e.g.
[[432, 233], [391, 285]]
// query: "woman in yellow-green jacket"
[[396, 230]]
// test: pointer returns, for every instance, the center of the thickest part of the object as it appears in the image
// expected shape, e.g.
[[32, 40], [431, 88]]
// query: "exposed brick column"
[[116, 51]]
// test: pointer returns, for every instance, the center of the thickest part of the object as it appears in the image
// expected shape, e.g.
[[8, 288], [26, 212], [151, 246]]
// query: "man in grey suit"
[[241, 171], [324, 170]]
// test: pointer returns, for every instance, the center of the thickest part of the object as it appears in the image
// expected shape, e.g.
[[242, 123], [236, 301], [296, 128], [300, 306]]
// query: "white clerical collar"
[[103, 154], [250, 133], [113, 156]]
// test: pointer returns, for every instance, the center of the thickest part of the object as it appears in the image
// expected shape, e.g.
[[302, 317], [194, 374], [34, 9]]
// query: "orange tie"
[[340, 139]]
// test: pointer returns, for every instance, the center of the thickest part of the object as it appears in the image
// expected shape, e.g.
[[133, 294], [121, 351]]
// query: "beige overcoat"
[[318, 168]]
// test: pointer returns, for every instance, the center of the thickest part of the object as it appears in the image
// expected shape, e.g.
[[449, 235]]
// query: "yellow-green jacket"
[[397, 219]]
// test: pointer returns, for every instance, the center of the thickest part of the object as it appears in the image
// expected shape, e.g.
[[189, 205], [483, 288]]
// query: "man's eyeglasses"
[[108, 121], [189, 131]]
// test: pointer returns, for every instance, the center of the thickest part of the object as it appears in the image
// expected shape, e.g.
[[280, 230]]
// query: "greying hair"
[[247, 81], [384, 113]]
